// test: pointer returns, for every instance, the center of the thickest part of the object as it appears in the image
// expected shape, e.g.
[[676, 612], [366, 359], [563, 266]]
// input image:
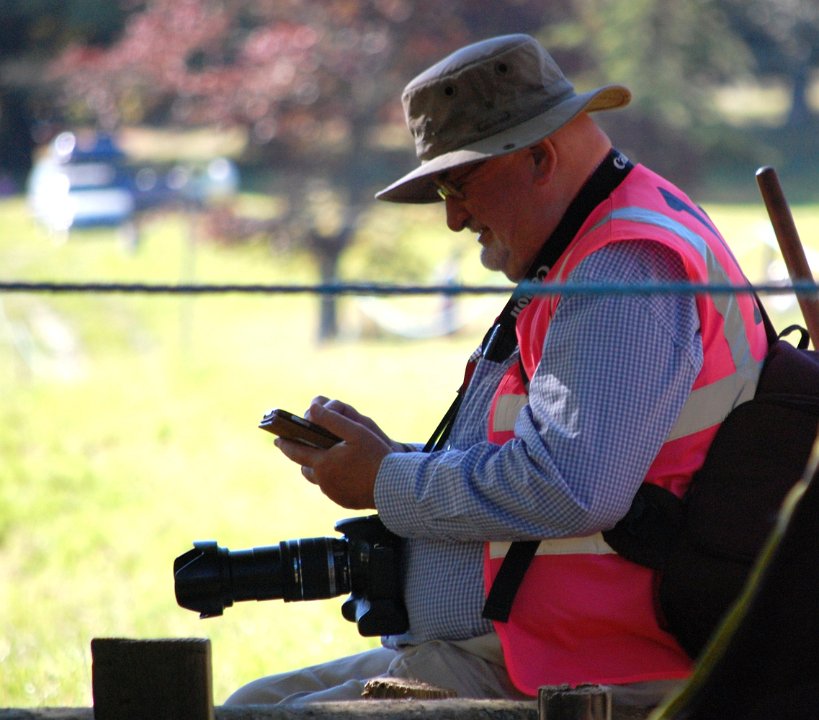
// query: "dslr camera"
[[364, 562]]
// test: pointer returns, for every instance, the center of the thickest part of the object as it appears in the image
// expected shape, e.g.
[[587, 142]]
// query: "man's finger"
[[333, 420]]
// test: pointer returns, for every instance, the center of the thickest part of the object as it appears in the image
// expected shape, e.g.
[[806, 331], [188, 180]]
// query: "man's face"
[[493, 200]]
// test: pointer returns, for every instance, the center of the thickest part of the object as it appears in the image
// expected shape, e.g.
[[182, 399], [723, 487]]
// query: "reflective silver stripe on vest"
[[507, 408], [709, 405], [586, 545]]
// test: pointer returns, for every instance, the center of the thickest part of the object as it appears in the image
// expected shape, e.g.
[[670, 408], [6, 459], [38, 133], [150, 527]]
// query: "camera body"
[[364, 562]]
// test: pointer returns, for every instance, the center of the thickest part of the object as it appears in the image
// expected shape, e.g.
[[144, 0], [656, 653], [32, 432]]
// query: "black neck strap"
[[500, 341]]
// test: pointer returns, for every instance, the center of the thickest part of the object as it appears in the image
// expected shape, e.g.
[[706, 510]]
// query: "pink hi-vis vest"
[[583, 613]]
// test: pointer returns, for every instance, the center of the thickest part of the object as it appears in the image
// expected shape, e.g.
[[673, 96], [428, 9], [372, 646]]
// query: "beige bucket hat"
[[488, 99]]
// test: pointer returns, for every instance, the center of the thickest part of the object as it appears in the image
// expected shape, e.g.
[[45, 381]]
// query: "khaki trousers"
[[473, 668]]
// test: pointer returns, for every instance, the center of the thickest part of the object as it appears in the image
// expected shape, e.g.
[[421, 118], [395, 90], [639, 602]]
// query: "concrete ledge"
[[358, 710], [395, 709]]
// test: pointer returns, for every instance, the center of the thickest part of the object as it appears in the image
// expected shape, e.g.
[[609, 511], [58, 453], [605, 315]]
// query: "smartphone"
[[292, 427]]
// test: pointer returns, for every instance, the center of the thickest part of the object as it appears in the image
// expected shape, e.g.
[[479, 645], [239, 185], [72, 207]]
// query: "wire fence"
[[799, 288]]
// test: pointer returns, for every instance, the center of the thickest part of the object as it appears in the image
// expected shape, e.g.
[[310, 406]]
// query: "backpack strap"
[[498, 603], [773, 336]]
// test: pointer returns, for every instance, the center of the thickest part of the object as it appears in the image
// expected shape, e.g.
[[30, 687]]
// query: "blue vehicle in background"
[[81, 185], [88, 182]]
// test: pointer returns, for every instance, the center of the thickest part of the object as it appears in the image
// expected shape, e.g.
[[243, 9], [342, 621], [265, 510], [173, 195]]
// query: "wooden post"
[[789, 243], [584, 702], [152, 679]]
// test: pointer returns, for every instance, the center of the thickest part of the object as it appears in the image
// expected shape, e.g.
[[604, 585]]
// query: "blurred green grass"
[[128, 430]]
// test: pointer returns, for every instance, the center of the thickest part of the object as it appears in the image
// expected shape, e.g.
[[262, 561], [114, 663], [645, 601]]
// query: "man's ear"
[[544, 157]]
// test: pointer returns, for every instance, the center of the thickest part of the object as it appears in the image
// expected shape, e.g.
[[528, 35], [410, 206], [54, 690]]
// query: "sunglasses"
[[446, 188]]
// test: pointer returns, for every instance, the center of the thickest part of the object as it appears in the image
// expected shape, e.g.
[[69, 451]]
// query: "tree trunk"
[[328, 253], [800, 110]]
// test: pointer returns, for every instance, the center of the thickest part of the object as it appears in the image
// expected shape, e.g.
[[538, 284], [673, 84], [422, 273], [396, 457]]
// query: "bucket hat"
[[487, 99]]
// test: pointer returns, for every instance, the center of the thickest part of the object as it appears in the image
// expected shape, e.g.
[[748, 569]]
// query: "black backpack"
[[763, 660], [704, 546]]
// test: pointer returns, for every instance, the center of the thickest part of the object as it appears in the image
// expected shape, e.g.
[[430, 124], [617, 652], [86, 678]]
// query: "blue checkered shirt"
[[615, 372]]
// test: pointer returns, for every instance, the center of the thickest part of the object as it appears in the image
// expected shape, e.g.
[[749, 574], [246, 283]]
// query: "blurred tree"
[[784, 39], [32, 32], [672, 55], [315, 83]]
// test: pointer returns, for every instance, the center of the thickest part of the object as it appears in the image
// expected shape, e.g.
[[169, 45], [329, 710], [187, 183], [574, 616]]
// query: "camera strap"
[[602, 183], [501, 340]]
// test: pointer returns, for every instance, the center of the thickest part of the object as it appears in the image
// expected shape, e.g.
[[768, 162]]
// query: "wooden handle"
[[789, 243]]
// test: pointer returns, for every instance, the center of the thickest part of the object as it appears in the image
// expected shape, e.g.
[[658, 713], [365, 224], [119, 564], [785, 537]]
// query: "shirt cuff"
[[393, 491]]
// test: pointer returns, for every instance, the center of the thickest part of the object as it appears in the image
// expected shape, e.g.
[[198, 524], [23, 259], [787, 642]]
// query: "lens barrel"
[[314, 568], [210, 578]]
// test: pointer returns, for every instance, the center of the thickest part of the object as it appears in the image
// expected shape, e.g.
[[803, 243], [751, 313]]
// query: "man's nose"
[[457, 215]]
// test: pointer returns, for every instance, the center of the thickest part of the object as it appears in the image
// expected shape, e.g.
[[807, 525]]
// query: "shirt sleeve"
[[615, 372]]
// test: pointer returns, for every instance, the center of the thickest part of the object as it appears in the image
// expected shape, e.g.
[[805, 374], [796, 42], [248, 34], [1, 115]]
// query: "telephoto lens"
[[210, 578]]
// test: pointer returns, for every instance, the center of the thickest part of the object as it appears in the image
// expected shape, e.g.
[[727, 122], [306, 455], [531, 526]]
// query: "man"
[[572, 404]]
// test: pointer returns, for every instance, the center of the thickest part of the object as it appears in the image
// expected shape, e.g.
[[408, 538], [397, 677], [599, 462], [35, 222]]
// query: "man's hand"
[[345, 472], [351, 413]]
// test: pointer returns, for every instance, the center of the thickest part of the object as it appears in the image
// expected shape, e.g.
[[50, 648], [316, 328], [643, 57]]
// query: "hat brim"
[[418, 186]]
